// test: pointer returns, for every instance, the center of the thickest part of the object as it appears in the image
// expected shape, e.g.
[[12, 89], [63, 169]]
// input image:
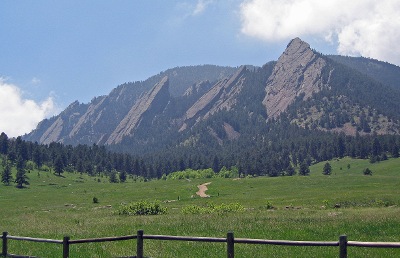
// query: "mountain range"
[[213, 109]]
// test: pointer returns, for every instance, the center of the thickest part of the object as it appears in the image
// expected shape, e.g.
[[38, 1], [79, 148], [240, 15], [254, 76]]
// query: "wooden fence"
[[230, 241]]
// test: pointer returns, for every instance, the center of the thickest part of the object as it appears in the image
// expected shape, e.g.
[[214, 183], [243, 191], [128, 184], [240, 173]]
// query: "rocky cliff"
[[150, 104], [220, 96], [298, 71]]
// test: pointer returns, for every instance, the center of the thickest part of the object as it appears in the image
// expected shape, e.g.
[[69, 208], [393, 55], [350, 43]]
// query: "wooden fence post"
[[343, 246], [230, 244], [4, 251], [139, 242], [66, 247]]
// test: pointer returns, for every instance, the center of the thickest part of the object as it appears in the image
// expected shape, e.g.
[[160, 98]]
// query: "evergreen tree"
[[89, 169], [59, 165], [290, 171], [6, 176], [21, 179], [113, 176], [215, 165], [122, 176], [3, 143], [304, 169], [376, 147], [395, 151], [37, 157], [327, 169]]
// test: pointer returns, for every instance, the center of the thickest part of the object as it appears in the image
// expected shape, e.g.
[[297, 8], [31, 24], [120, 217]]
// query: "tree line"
[[292, 152]]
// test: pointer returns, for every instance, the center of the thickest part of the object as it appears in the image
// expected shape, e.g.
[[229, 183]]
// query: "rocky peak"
[[297, 71]]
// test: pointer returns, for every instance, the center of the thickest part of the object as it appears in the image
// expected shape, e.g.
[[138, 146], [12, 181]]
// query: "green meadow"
[[285, 208]]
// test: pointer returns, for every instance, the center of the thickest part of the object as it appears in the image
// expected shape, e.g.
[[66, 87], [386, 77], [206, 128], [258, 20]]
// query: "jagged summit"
[[298, 71], [297, 45]]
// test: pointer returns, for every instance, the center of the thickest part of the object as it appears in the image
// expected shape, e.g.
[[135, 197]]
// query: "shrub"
[[195, 209], [212, 208], [142, 208], [269, 206], [326, 203], [367, 172], [95, 200]]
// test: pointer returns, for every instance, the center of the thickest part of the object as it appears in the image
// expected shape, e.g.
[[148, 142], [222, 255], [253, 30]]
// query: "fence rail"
[[342, 243]]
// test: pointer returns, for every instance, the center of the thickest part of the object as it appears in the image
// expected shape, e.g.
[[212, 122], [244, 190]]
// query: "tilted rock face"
[[152, 102], [96, 121], [53, 133], [220, 96], [54, 129], [92, 115], [297, 71]]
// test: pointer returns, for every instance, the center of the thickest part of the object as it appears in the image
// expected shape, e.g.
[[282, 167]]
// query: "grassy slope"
[[56, 206]]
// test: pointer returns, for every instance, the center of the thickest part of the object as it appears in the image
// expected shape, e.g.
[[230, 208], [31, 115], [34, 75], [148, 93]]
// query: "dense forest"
[[293, 148]]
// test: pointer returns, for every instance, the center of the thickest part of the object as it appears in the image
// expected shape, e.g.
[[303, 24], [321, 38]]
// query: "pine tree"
[[290, 171], [327, 169], [113, 176], [6, 176], [395, 151], [59, 165], [122, 176], [215, 165], [304, 169], [21, 178], [3, 143], [37, 157]]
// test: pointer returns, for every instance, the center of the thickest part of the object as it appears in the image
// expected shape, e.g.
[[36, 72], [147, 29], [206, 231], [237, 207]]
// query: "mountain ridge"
[[231, 106]]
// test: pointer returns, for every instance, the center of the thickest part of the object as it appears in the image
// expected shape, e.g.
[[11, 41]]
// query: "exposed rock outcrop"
[[220, 96], [297, 71], [152, 102], [91, 116], [54, 129]]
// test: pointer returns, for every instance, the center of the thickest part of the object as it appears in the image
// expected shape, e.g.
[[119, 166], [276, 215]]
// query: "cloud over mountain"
[[19, 115], [360, 27]]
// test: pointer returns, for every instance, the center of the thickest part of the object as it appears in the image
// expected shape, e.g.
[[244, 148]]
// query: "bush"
[[95, 200], [212, 208], [269, 206], [367, 172], [195, 209], [203, 173], [142, 208]]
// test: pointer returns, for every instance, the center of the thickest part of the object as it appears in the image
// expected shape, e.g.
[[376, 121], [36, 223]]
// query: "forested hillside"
[[303, 108], [383, 72]]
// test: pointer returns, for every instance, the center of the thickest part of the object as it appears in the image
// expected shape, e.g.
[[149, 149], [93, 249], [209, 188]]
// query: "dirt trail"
[[202, 190]]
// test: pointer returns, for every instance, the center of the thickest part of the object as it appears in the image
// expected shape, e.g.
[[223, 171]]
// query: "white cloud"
[[18, 115], [201, 6], [359, 27], [192, 9]]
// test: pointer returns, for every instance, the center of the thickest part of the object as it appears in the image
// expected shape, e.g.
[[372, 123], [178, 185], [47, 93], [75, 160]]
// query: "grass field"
[[53, 206]]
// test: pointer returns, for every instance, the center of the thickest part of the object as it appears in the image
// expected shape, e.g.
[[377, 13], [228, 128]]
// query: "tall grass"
[[52, 207]]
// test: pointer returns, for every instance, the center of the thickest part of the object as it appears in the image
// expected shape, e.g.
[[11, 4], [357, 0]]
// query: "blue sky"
[[55, 52]]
